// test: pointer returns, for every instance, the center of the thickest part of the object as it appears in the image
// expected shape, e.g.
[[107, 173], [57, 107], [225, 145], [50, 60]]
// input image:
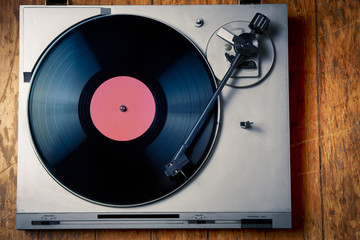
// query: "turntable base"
[[244, 179]]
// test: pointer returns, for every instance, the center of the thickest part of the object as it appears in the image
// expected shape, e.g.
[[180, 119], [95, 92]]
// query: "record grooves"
[[73, 150]]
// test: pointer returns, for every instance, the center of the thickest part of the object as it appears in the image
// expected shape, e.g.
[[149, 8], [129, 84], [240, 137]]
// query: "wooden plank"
[[334, 15], [223, 1], [67, 234], [306, 200], [339, 86], [123, 234], [293, 234], [125, 2], [179, 234], [339, 72], [82, 2], [179, 2], [341, 180], [242, 234]]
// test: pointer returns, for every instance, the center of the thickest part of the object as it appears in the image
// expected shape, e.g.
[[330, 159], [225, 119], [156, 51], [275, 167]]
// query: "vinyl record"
[[111, 101]]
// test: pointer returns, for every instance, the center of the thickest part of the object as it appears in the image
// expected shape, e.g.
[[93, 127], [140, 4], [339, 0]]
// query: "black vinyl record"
[[74, 150]]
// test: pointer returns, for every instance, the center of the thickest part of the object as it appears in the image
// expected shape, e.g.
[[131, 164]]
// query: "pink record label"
[[122, 108]]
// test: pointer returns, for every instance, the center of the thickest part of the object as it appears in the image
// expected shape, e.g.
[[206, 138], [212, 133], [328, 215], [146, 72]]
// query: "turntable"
[[153, 117]]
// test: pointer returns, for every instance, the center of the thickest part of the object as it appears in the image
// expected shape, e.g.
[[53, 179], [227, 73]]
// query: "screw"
[[199, 22], [228, 47]]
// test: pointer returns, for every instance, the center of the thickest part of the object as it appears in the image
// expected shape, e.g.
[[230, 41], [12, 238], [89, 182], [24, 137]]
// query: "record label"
[[122, 108]]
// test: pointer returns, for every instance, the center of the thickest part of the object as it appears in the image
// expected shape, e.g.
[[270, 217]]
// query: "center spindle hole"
[[123, 108]]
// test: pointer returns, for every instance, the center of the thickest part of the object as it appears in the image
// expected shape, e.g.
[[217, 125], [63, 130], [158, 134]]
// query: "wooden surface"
[[324, 90]]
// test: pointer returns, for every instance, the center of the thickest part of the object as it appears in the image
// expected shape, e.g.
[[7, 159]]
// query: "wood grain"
[[179, 234], [340, 158], [123, 234], [339, 87], [335, 15], [324, 119], [67, 235], [236, 234], [125, 2], [82, 2]]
